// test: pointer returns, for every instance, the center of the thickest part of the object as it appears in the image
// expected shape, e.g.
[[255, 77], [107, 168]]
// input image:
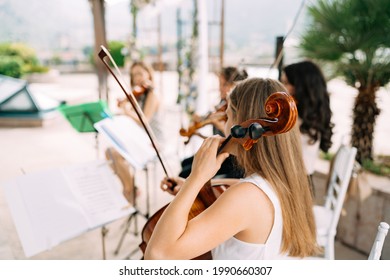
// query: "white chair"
[[327, 216], [376, 249]]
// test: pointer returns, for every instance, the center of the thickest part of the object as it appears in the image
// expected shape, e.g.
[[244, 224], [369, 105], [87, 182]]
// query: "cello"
[[281, 114]]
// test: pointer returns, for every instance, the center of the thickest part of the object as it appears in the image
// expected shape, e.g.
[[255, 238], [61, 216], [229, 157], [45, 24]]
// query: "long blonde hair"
[[279, 160]]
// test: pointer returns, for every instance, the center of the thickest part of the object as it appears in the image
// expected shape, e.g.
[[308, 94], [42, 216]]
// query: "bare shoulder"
[[244, 189], [247, 195]]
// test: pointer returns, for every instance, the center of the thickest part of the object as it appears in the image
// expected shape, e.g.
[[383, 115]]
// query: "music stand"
[[133, 217], [120, 131], [82, 117], [108, 61]]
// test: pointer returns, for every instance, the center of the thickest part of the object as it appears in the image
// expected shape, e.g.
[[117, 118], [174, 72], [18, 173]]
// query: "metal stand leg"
[[127, 227], [104, 232], [146, 169], [134, 216]]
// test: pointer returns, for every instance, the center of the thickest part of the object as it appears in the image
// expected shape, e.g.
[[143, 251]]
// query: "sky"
[[251, 26]]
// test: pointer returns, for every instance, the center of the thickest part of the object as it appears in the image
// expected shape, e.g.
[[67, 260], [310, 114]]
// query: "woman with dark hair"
[[306, 83]]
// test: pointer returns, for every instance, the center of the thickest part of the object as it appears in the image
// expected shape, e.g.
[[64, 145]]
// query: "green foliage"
[[115, 48], [36, 69], [326, 156], [18, 59], [11, 66], [378, 168], [354, 35], [26, 53]]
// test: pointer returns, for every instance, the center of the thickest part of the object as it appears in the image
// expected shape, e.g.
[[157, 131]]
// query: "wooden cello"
[[282, 115]]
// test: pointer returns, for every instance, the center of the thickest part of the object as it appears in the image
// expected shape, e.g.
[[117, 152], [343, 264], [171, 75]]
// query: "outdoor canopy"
[[19, 103]]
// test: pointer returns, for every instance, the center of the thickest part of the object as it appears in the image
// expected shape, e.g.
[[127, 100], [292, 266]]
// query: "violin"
[[137, 92], [222, 106], [140, 90], [208, 119], [282, 114]]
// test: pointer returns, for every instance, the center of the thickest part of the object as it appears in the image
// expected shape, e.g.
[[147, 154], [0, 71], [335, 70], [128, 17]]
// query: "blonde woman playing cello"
[[266, 215]]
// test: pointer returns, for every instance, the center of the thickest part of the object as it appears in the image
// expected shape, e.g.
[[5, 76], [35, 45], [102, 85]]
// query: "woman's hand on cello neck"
[[207, 161]]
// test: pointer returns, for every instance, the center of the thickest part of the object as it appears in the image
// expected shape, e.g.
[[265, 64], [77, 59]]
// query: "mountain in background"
[[251, 26]]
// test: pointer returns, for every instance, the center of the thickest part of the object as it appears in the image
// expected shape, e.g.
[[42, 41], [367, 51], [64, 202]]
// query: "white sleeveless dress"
[[234, 249]]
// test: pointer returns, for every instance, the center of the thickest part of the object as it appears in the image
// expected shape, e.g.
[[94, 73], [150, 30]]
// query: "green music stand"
[[83, 116]]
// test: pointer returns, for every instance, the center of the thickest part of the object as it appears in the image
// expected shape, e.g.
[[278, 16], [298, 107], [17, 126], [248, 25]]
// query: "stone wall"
[[366, 205]]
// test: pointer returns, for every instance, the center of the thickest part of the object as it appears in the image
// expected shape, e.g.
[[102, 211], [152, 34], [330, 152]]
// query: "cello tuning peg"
[[256, 131], [238, 131]]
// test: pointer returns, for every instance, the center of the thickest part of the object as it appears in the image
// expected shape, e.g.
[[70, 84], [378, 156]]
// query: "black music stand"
[[120, 131], [133, 216], [82, 117]]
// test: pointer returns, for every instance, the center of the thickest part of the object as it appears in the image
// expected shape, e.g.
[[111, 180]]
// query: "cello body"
[[207, 195]]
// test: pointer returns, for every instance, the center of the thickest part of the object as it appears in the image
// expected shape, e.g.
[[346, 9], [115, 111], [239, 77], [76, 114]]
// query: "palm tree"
[[354, 37]]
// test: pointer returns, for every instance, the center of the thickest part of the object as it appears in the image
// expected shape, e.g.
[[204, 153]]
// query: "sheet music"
[[128, 138], [46, 210], [92, 185], [51, 206]]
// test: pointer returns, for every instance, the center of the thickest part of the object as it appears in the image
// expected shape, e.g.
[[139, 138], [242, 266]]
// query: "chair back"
[[376, 249], [340, 175]]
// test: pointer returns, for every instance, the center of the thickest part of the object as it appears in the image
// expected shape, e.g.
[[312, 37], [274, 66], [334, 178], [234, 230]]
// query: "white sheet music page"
[[52, 206], [129, 139], [97, 192], [44, 210]]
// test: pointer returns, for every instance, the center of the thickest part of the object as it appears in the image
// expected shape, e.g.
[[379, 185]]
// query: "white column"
[[202, 106], [202, 69]]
